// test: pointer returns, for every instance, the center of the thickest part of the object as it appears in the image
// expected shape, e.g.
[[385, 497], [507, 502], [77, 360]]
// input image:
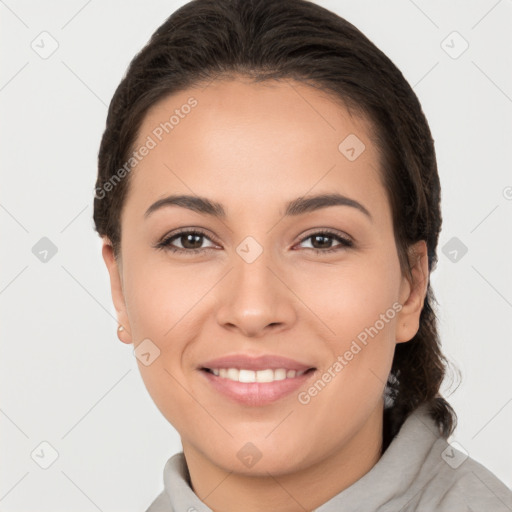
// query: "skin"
[[252, 148]]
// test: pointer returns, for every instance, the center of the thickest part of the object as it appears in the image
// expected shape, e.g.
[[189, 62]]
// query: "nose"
[[255, 299]]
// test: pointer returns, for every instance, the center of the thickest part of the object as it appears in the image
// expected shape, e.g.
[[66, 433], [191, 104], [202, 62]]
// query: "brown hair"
[[299, 40]]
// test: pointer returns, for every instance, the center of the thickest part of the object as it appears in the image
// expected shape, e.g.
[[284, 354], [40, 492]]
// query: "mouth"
[[265, 375], [256, 388]]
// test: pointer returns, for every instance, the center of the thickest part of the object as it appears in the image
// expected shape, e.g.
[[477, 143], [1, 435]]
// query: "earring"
[[120, 328]]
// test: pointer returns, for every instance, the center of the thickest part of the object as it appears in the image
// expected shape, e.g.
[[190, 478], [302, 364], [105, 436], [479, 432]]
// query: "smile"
[[266, 375], [256, 387]]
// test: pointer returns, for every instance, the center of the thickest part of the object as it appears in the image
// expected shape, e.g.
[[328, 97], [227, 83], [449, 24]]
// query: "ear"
[[413, 291], [116, 287]]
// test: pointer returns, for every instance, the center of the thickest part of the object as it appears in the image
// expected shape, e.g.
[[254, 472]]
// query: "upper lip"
[[262, 362]]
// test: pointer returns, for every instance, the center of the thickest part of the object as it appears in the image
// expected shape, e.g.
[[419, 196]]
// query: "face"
[[266, 272]]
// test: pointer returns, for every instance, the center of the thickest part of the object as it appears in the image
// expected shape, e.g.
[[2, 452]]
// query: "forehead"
[[246, 142]]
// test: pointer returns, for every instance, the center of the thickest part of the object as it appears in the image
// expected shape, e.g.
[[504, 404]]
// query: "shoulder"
[[431, 474], [459, 483]]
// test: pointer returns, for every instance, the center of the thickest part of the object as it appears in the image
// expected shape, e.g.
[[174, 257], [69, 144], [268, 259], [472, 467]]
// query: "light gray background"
[[67, 380]]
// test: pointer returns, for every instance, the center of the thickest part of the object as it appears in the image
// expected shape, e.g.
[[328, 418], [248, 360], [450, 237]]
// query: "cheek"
[[358, 306], [167, 304], [161, 297], [163, 304], [350, 296]]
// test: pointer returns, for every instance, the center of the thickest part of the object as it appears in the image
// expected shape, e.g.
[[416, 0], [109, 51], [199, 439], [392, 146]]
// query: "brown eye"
[[321, 242], [191, 242]]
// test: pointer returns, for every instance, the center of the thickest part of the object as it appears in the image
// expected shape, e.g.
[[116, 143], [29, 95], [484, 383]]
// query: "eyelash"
[[165, 244]]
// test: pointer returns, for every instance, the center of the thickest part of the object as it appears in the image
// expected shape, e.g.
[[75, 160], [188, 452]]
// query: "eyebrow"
[[293, 208]]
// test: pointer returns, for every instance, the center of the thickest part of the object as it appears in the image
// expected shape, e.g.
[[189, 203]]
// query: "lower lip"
[[256, 393]]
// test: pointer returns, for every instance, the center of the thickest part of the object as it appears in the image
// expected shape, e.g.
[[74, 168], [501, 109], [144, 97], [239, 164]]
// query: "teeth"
[[268, 375]]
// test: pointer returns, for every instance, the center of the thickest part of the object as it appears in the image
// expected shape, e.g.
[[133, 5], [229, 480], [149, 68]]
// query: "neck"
[[225, 491]]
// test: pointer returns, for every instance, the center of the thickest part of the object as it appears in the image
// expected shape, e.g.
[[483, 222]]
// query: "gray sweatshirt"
[[418, 472]]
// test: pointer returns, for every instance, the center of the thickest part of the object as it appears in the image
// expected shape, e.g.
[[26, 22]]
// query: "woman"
[[269, 203]]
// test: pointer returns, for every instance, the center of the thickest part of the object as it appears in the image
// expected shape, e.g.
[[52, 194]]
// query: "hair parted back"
[[301, 41]]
